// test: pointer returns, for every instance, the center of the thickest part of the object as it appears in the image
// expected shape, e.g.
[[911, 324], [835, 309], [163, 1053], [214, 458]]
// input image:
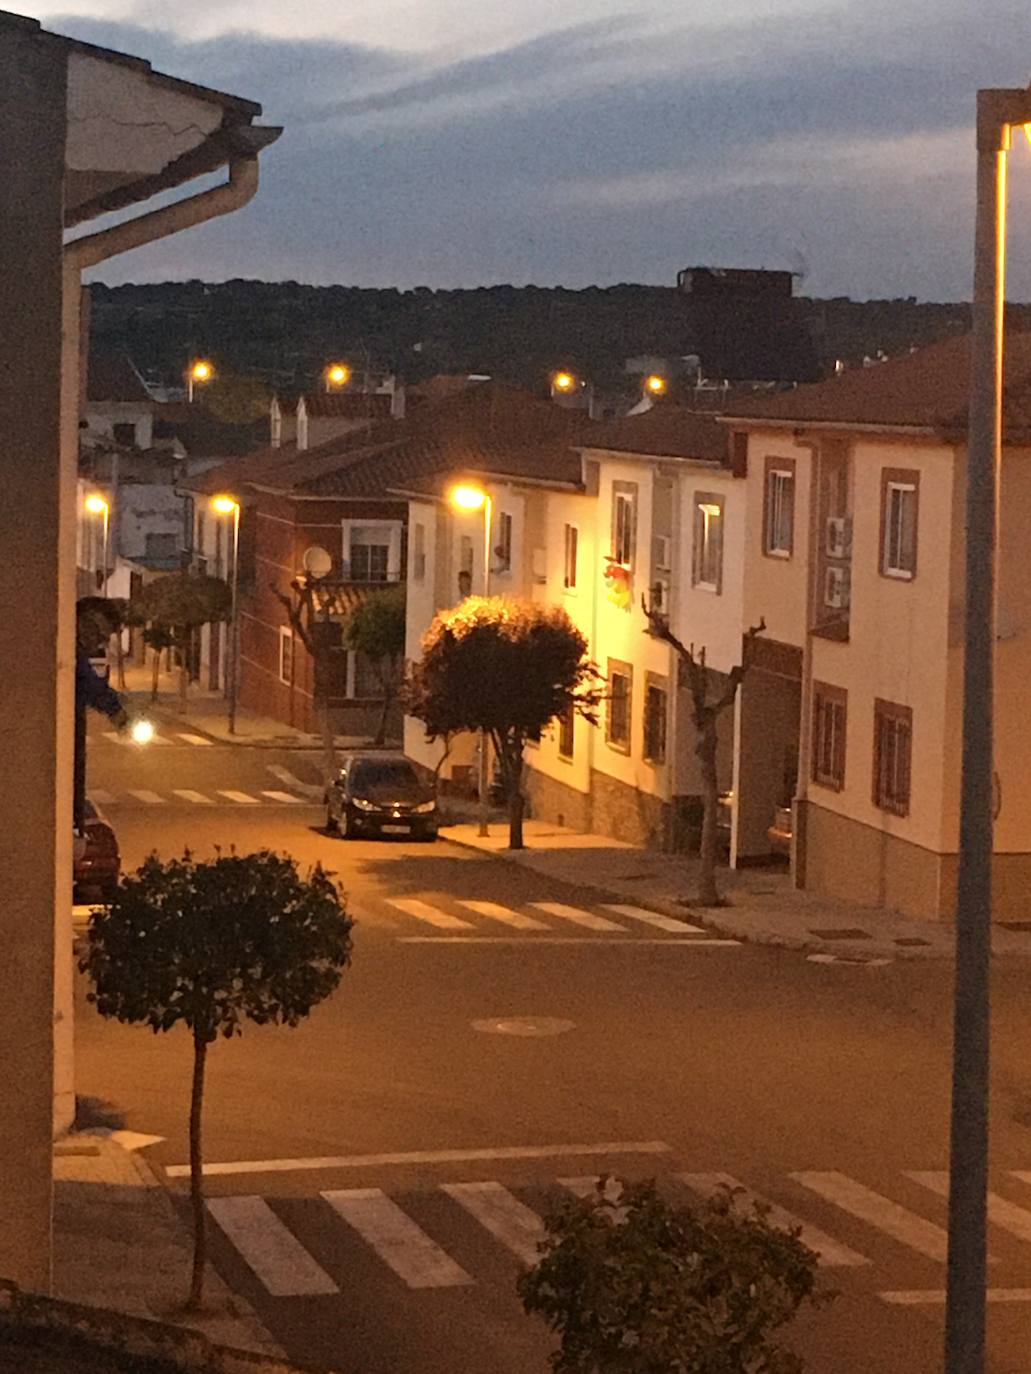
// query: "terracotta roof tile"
[[667, 430]]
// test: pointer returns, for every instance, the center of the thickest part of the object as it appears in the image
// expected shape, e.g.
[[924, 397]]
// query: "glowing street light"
[[337, 375], [228, 505], [95, 504], [467, 497], [655, 385], [564, 382], [200, 370], [141, 731]]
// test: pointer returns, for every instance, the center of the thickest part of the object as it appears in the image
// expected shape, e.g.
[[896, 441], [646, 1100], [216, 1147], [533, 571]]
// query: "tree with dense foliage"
[[632, 1284], [175, 606], [210, 945], [507, 667], [711, 695], [376, 628]]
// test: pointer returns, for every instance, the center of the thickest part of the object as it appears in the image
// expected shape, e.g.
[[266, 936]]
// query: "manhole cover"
[[909, 941], [842, 933], [1015, 925], [523, 1025]]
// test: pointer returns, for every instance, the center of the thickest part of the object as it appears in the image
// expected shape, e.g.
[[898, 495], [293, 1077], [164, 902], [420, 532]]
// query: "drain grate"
[[844, 933], [910, 940], [1015, 925]]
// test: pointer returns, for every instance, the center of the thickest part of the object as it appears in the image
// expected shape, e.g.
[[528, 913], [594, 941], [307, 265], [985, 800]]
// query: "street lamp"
[[655, 385], [467, 497], [200, 370], [226, 505], [96, 505], [998, 112], [564, 382], [336, 375]]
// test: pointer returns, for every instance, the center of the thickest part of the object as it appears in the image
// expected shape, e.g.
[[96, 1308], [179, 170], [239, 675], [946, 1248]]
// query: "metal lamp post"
[[467, 497], [200, 370], [998, 111], [96, 505], [226, 505]]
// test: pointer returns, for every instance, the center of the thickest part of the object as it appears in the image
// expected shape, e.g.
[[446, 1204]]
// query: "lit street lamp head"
[[224, 505], [201, 371], [655, 385], [337, 374], [468, 497], [96, 505], [141, 731], [563, 381]]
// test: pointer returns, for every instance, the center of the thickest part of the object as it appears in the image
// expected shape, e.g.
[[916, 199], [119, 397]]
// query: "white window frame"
[[502, 552], [570, 557], [286, 637], [707, 559], [624, 519], [892, 552], [392, 530], [779, 535]]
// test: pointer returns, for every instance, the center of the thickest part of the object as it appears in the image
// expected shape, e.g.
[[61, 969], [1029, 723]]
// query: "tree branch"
[[293, 610]]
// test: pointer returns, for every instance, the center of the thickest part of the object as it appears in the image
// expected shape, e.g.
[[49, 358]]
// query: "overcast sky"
[[468, 142]]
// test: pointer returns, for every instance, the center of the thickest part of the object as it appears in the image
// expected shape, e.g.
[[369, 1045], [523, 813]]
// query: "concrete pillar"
[[36, 645]]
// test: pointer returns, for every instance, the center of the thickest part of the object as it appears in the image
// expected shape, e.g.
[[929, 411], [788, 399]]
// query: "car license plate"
[[394, 829]]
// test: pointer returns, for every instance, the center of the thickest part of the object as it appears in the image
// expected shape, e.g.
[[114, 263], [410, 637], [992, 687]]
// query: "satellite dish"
[[317, 561]]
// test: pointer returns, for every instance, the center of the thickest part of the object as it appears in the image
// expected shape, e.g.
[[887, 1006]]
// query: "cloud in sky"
[[618, 143]]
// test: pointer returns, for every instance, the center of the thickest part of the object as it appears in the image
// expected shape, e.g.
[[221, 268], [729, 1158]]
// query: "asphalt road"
[[519, 1048]]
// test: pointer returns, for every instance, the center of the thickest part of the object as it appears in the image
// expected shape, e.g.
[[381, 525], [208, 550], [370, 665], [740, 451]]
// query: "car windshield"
[[384, 773]]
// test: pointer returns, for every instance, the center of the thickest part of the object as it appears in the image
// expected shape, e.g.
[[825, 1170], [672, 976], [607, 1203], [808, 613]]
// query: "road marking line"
[[629, 940], [396, 1238], [280, 1166], [197, 797], [831, 1251], [194, 739], [98, 795], [577, 915], [510, 1221], [284, 775], [422, 911], [1001, 1212], [241, 798], [151, 798], [506, 914], [275, 1255], [918, 1297], [587, 1187], [283, 797], [878, 1211], [654, 918]]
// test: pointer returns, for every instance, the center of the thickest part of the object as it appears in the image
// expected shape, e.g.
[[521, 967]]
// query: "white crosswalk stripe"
[[578, 916], [284, 797], [151, 798], [654, 918], [395, 1237], [198, 798], [240, 798], [514, 1224], [504, 914], [194, 739], [306, 789], [878, 1211], [271, 1250], [422, 911], [831, 1251], [1002, 1213]]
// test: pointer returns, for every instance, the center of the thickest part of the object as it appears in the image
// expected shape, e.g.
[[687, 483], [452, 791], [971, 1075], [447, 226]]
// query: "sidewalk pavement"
[[120, 1244], [761, 907]]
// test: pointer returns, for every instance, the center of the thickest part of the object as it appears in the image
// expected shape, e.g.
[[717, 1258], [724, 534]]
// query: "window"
[[617, 717], [623, 523], [419, 553], [655, 701], [779, 511], [369, 562], [465, 555], [124, 434], [829, 722], [572, 541], [372, 551], [198, 546], [503, 549], [707, 564], [900, 491], [892, 756], [286, 654], [161, 548], [566, 730], [365, 682]]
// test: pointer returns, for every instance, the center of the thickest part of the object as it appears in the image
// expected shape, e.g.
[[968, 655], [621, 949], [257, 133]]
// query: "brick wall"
[[611, 808]]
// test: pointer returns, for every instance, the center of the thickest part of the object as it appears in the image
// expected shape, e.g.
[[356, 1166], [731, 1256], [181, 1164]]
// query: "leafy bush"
[[639, 1285]]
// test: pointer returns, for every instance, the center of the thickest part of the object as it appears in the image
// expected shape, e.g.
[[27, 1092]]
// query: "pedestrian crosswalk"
[[454, 1234], [467, 920], [189, 796], [157, 740]]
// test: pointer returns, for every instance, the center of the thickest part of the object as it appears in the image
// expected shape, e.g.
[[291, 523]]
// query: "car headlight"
[[425, 807], [362, 804]]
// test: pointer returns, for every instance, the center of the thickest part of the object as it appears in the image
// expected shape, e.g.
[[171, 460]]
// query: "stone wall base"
[[610, 808]]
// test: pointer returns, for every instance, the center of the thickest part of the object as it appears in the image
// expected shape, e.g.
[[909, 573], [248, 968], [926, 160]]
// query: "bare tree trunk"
[[329, 758], [512, 771], [155, 673], [183, 681], [388, 699], [708, 893], [120, 660], [196, 1298], [516, 806]]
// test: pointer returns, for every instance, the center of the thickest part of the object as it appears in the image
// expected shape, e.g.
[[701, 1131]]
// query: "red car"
[[97, 870]]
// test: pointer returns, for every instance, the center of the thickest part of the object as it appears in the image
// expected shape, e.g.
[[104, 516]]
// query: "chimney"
[[397, 399], [302, 425], [275, 423]]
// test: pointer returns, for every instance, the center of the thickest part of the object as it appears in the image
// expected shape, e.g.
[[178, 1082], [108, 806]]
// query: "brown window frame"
[[566, 733], [570, 556], [617, 667], [702, 500], [905, 478], [885, 712], [789, 467], [836, 698], [624, 491], [654, 683]]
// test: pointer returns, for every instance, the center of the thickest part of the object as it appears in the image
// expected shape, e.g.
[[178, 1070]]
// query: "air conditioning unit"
[[839, 536], [662, 552], [836, 588]]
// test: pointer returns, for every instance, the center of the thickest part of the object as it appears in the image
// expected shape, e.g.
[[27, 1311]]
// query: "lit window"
[[707, 566], [779, 531], [899, 496], [569, 561], [655, 702], [829, 725], [892, 756], [617, 717]]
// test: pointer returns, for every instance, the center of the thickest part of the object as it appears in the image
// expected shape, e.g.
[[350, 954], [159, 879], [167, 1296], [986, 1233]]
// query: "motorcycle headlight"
[[362, 804], [425, 807]]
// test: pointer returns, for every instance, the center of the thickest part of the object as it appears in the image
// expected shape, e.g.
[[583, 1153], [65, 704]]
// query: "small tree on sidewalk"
[[507, 667], [636, 1285], [706, 709], [376, 628], [178, 604], [211, 945]]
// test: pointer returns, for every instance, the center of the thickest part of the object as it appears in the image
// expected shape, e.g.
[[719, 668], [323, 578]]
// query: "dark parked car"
[[381, 794], [96, 870]]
